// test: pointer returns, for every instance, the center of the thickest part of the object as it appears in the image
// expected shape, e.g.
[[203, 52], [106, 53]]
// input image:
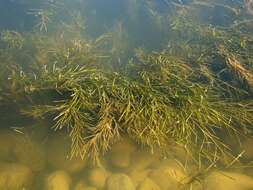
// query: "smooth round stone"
[[138, 176], [141, 160], [58, 180], [119, 182], [148, 184], [220, 180], [15, 177], [168, 175], [97, 177], [82, 186]]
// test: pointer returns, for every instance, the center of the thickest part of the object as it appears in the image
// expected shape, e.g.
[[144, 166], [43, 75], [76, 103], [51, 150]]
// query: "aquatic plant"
[[158, 100], [12, 39], [43, 17], [238, 71], [173, 96]]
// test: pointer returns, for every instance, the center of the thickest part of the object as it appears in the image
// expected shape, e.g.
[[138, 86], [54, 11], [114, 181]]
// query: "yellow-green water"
[[35, 158], [126, 95]]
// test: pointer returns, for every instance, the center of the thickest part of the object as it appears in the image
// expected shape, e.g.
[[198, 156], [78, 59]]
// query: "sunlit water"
[[35, 157]]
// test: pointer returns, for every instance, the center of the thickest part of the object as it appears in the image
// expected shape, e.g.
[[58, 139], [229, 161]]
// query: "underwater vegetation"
[[194, 90]]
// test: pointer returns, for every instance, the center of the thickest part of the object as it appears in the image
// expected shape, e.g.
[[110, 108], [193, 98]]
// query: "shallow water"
[[35, 157], [40, 37]]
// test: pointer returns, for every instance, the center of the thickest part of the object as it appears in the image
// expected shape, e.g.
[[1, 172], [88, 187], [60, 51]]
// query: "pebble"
[[119, 181]]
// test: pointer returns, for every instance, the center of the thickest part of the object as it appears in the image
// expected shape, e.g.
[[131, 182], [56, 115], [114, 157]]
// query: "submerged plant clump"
[[93, 90], [158, 100]]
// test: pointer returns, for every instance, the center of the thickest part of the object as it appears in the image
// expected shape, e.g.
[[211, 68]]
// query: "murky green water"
[[126, 95]]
